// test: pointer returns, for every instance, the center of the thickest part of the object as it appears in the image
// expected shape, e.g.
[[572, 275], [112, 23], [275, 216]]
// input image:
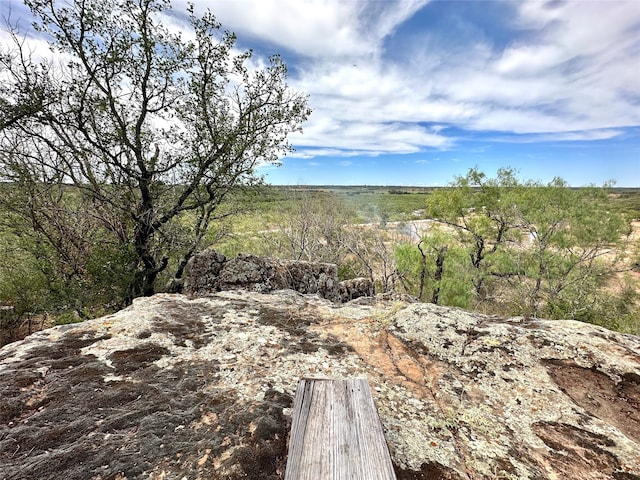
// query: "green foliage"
[[526, 248], [23, 283], [626, 201], [450, 287], [67, 318], [547, 250], [36, 281], [483, 213], [381, 204], [574, 243], [153, 129], [409, 264], [616, 308]]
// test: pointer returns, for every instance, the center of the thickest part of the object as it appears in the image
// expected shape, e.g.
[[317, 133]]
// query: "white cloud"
[[367, 136], [583, 135], [556, 80], [579, 72], [530, 59], [308, 153], [361, 105], [571, 71], [315, 27]]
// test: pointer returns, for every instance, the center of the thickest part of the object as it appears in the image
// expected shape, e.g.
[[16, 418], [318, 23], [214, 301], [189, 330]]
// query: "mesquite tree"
[[153, 128], [544, 250], [483, 212]]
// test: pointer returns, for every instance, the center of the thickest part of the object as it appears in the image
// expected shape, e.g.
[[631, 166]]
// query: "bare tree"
[[312, 226]]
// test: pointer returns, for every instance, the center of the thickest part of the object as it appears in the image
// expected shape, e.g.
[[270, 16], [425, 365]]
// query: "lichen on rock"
[[210, 272], [179, 386]]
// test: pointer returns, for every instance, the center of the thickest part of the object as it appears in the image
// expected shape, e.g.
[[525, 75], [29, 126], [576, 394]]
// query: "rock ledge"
[[176, 387]]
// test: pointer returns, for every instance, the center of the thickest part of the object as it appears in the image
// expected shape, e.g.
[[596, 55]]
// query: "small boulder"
[[356, 288]]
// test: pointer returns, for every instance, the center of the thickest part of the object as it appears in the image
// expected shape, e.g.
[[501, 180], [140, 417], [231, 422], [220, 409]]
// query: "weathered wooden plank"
[[336, 433]]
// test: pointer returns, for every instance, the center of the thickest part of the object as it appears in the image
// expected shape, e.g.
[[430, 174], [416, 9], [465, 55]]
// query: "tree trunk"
[[423, 270], [437, 276]]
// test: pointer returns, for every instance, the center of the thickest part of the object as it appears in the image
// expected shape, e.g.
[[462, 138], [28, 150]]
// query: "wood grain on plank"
[[336, 433]]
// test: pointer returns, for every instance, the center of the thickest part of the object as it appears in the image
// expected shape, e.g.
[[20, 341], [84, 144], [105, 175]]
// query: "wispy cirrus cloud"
[[402, 77], [556, 77], [576, 68], [576, 136]]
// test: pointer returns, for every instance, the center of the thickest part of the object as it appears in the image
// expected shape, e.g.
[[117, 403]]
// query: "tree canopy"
[[152, 127], [521, 247]]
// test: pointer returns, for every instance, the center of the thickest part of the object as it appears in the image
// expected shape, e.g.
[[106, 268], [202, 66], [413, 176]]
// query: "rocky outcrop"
[[176, 387], [210, 271], [355, 288]]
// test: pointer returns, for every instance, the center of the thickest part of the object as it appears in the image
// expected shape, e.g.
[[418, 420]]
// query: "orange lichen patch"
[[207, 419], [222, 459], [36, 399], [385, 354], [406, 365], [202, 460]]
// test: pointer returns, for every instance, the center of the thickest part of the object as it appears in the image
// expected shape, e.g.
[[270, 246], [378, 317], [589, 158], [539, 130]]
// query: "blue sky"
[[413, 92]]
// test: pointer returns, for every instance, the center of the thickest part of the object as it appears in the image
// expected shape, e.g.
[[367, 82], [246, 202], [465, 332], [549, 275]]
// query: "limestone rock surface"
[[202, 388]]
